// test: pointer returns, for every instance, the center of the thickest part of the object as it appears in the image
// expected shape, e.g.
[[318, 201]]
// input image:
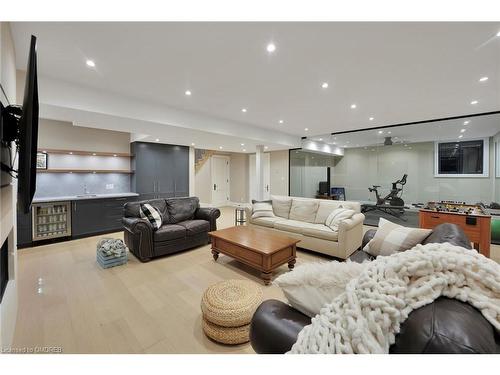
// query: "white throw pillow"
[[391, 238], [336, 216], [262, 209], [311, 286]]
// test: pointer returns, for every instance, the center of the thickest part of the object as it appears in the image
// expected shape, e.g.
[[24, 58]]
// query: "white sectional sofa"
[[304, 218]]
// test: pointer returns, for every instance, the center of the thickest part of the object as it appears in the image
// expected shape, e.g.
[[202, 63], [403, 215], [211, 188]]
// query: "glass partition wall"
[[448, 160]]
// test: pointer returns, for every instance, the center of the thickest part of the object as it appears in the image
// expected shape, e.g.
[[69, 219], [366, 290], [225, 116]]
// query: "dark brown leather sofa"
[[185, 225], [444, 326]]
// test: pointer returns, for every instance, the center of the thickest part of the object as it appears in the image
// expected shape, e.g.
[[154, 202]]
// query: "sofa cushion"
[[293, 226], [320, 231], [181, 209], [304, 210], [281, 206], [266, 221], [170, 232], [195, 226]]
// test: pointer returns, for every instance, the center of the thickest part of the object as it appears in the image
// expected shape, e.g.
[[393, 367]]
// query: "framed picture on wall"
[[338, 193], [41, 160]]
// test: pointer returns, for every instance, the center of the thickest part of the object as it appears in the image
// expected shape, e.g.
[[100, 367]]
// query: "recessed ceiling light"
[[460, 136], [93, 153], [380, 131], [498, 34], [265, 147], [71, 153], [371, 119], [243, 110], [324, 85], [306, 129], [192, 144], [474, 102], [114, 155], [271, 47], [187, 92], [220, 147], [353, 106], [483, 79], [388, 132], [157, 140], [91, 63], [242, 144], [244, 150], [281, 121], [466, 122], [462, 130], [321, 139]]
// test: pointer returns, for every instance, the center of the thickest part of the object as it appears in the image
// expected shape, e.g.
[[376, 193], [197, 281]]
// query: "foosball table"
[[475, 222]]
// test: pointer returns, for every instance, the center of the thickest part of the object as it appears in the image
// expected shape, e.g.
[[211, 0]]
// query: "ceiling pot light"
[[220, 147], [324, 85], [244, 110], [244, 150], [321, 139], [498, 34], [271, 47], [353, 106], [90, 63], [462, 130], [93, 154], [483, 79], [371, 119], [466, 122], [474, 102], [114, 155], [187, 92], [380, 131], [460, 136], [306, 129], [157, 140], [280, 121], [192, 144]]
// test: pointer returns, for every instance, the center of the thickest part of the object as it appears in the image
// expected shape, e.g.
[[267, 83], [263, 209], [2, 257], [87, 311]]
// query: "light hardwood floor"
[[67, 301]]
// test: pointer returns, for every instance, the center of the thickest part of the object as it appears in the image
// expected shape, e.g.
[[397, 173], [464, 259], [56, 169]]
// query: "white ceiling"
[[448, 130], [394, 72]]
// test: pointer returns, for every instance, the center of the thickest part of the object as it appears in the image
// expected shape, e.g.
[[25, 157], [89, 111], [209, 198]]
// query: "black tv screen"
[[28, 134]]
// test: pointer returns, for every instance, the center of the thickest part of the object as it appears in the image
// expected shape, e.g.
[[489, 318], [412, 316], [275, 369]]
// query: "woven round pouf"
[[227, 308], [227, 335]]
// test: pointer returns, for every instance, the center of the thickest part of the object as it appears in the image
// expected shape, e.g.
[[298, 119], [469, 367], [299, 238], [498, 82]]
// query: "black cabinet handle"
[[215, 187]]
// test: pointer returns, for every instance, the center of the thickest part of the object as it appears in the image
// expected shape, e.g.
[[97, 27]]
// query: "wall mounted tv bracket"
[[10, 134]]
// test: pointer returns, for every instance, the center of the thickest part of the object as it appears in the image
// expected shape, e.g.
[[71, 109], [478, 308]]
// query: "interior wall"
[[279, 161], [8, 196], [361, 168], [65, 136]]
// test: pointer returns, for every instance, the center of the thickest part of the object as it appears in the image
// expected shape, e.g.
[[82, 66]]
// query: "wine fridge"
[[51, 220]]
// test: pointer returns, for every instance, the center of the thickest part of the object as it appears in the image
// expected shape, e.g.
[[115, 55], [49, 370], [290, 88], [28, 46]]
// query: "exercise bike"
[[392, 203]]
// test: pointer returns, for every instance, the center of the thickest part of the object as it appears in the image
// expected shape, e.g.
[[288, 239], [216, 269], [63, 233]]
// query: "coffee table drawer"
[[238, 252]]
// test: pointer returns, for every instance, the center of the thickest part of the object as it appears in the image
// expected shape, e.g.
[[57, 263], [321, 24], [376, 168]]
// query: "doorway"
[[220, 180]]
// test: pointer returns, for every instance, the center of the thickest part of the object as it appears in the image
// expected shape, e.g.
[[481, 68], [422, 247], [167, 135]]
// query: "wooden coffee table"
[[257, 248]]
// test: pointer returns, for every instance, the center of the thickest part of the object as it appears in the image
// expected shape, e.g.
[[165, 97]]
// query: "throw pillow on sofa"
[[312, 285], [391, 238], [262, 209], [336, 216], [151, 214]]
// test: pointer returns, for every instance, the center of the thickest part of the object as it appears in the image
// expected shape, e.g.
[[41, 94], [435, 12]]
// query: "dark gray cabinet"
[[160, 171], [94, 216]]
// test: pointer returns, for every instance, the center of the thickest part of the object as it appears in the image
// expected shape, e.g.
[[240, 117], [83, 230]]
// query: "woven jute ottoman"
[[228, 307]]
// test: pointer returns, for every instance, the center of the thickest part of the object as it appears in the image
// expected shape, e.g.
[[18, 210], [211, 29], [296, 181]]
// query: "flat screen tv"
[[28, 134]]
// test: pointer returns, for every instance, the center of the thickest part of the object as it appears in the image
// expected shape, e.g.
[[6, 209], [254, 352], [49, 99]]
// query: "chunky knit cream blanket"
[[368, 315]]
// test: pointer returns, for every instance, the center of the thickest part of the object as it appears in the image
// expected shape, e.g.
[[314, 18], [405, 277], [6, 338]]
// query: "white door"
[[266, 194], [220, 180]]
